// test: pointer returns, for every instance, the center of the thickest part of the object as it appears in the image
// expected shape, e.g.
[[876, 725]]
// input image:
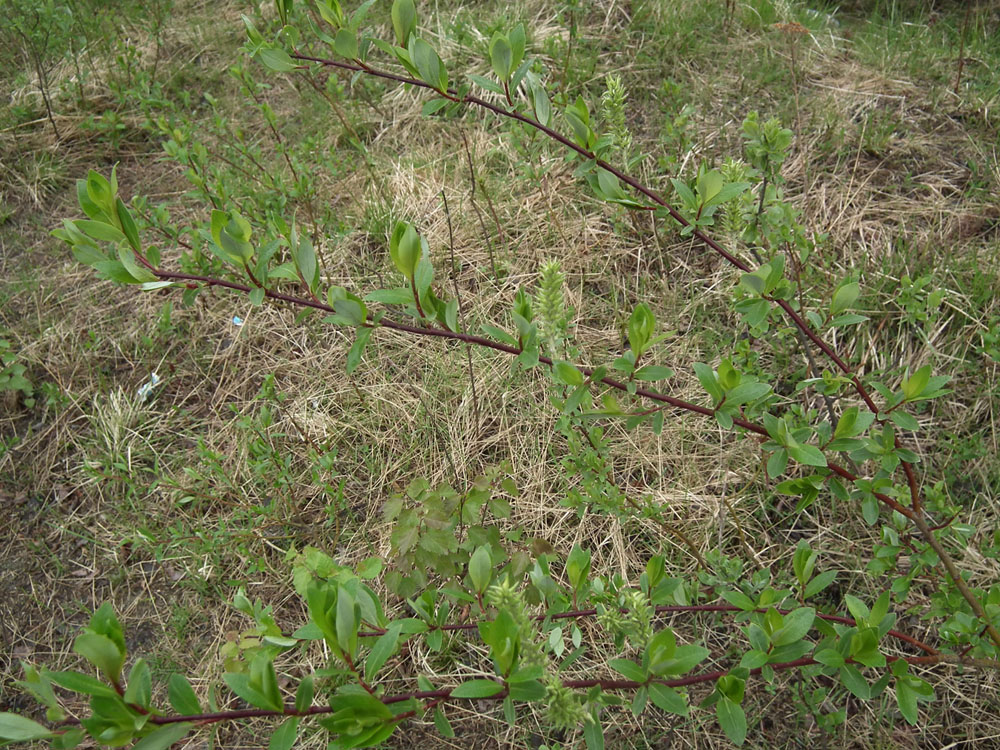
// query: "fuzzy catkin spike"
[[734, 212], [564, 707], [613, 112], [550, 308], [505, 595]]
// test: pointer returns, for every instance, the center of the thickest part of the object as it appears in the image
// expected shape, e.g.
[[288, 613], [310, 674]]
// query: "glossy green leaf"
[[240, 684], [304, 694], [442, 724], [164, 737], [129, 228], [404, 20], [739, 599], [346, 44], [100, 230], [529, 691], [92, 209], [100, 651], [777, 463], [481, 569], [182, 696], [477, 689], [139, 688], [518, 39], [732, 719], [819, 583], [81, 683], [358, 348], [14, 728], [845, 297], [398, 296], [668, 699], [652, 373], [593, 733], [796, 624], [405, 248], [305, 261], [641, 327], [501, 56], [855, 682], [385, 646], [100, 192], [541, 104], [710, 185], [806, 454], [283, 738], [746, 392], [707, 378], [685, 193], [904, 421], [486, 83], [628, 669], [428, 64], [276, 59]]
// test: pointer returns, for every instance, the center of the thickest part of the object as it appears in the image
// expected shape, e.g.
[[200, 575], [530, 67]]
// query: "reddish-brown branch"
[[445, 693], [507, 349], [666, 608]]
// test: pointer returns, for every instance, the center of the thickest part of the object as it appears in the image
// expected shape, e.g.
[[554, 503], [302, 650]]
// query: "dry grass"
[[90, 497]]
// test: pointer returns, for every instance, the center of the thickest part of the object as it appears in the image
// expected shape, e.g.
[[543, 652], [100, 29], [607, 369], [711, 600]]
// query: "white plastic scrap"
[[146, 389], [237, 320]]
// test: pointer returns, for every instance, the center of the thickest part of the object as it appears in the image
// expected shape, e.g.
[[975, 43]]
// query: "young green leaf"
[[709, 185], [709, 381], [593, 733], [578, 566], [128, 225], [14, 728], [164, 737], [732, 719], [806, 454], [428, 64], [139, 689], [358, 348], [796, 624], [501, 56], [777, 463], [182, 696], [844, 298], [405, 248], [480, 569], [854, 681], [100, 651], [240, 684], [477, 689], [276, 59], [81, 683], [384, 647], [540, 103], [641, 326], [283, 738], [668, 699], [404, 21], [346, 44], [652, 373], [442, 724], [685, 193]]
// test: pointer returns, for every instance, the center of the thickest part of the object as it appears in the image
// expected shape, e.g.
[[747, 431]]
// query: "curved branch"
[[469, 338]]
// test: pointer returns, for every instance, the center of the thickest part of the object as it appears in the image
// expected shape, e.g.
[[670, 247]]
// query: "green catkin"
[[613, 112], [550, 306], [735, 212]]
